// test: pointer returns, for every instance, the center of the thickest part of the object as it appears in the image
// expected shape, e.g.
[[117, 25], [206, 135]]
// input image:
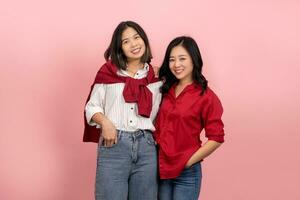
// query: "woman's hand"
[[156, 71], [209, 147], [189, 163], [109, 133]]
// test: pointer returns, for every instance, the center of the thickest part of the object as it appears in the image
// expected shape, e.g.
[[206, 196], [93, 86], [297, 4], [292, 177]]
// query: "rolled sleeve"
[[214, 127], [95, 103]]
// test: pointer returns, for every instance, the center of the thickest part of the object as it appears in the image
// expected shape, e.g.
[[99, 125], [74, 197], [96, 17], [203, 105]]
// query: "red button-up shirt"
[[179, 123]]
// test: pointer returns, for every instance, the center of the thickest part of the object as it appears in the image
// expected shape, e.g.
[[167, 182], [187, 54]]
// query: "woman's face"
[[181, 64], [133, 45]]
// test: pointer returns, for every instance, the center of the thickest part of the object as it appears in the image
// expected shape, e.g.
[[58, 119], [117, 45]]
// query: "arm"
[[94, 112], [109, 132], [209, 147], [212, 114]]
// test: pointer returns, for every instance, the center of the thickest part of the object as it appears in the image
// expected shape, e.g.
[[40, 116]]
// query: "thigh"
[[187, 185], [165, 190], [143, 177], [113, 167]]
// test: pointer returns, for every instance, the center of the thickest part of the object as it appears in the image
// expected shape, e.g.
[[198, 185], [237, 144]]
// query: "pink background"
[[51, 50]]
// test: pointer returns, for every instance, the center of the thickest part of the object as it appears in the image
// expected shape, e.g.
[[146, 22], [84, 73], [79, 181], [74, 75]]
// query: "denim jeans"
[[128, 169], [184, 187]]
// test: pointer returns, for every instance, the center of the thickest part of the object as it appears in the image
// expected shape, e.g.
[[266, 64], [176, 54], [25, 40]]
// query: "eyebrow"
[[129, 37], [182, 55]]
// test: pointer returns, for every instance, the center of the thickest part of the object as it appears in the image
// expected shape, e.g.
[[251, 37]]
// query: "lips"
[[178, 71], [135, 51]]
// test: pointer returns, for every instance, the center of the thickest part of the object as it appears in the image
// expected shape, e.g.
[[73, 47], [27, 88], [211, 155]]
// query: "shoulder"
[[155, 69], [107, 65], [212, 97], [210, 93], [155, 85], [208, 97]]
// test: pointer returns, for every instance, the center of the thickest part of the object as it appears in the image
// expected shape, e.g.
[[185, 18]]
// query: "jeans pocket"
[[192, 166], [150, 139], [101, 142]]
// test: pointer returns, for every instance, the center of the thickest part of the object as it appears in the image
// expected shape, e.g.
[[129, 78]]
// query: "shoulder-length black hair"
[[192, 48], [115, 52]]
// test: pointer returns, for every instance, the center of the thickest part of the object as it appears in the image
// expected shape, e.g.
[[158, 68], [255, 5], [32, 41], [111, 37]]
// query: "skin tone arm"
[[209, 147], [109, 132]]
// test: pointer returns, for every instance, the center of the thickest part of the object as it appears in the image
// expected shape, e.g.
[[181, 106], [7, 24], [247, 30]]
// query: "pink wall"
[[50, 52]]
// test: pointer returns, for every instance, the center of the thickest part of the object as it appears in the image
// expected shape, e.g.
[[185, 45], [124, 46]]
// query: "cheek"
[[142, 42], [125, 50], [143, 49], [190, 64]]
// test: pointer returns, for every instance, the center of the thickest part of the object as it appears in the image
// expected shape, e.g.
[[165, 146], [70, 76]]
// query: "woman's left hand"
[[189, 163], [209, 147], [156, 71]]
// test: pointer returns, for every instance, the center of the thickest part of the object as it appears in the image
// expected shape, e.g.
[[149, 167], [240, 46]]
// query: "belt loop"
[[133, 137], [120, 133], [143, 132]]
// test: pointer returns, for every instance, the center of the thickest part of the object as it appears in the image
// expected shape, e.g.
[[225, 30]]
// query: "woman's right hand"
[[109, 133]]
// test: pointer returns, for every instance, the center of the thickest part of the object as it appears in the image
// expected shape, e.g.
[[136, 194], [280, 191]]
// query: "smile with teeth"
[[136, 50], [178, 71]]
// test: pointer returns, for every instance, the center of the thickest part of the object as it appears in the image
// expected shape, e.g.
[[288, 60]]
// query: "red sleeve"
[[213, 124], [157, 127]]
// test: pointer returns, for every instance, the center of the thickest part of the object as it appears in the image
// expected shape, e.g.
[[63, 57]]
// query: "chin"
[[178, 76]]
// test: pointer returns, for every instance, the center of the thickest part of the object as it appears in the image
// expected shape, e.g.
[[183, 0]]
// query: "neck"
[[183, 83], [135, 65]]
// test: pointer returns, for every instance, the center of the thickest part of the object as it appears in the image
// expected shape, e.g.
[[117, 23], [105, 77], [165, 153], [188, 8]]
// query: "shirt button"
[[137, 73], [131, 108], [130, 121]]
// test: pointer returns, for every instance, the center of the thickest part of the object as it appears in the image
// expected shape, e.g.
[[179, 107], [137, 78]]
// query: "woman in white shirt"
[[119, 116]]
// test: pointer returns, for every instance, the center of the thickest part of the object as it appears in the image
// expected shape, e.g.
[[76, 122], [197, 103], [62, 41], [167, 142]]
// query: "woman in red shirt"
[[188, 106]]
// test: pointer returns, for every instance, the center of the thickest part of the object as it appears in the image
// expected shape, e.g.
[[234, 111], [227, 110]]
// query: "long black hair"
[[114, 50], [192, 48]]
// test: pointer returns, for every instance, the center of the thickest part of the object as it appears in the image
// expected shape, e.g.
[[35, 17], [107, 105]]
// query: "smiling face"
[[181, 64], [133, 45]]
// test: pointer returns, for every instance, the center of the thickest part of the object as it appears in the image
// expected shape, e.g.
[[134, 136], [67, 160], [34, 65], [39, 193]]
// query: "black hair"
[[115, 52], [192, 48]]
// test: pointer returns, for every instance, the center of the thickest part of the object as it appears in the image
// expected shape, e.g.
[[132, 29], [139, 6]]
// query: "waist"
[[135, 133]]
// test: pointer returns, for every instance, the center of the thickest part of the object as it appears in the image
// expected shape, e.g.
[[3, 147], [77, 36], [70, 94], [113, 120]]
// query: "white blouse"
[[108, 99]]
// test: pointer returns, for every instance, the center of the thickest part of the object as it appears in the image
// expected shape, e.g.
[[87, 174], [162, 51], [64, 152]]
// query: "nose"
[[176, 63], [133, 43]]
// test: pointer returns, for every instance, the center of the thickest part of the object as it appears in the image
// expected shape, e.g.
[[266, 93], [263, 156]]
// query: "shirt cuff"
[[216, 138], [89, 113]]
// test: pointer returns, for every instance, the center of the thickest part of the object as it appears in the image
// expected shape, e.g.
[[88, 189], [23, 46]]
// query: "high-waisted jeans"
[[128, 169], [184, 187]]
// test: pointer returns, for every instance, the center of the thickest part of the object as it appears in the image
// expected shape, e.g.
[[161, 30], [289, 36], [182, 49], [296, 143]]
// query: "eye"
[[125, 42], [182, 59], [171, 60], [137, 37]]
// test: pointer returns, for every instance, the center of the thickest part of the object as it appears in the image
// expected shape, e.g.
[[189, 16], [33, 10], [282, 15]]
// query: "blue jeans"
[[184, 187], [128, 169]]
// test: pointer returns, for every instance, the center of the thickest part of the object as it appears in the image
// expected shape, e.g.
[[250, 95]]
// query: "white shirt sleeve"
[[95, 103]]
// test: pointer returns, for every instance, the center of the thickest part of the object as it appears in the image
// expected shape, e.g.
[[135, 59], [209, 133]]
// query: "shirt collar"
[[141, 73], [190, 87]]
